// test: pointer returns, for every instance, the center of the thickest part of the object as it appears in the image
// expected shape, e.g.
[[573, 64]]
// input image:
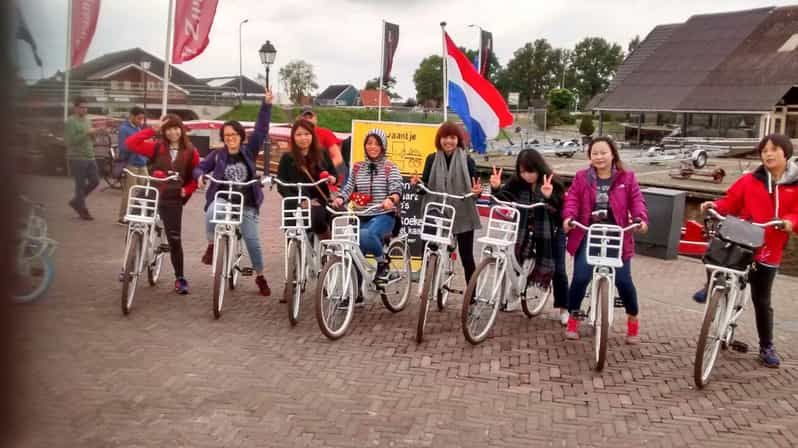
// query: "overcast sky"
[[341, 37]]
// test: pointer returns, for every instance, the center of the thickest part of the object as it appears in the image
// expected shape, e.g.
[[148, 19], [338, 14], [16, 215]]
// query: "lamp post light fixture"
[[146, 66], [267, 54]]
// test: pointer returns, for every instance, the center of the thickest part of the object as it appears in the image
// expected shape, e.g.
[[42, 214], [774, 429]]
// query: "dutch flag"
[[474, 99]]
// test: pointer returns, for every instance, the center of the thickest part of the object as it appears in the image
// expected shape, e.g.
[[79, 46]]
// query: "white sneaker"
[[564, 317]]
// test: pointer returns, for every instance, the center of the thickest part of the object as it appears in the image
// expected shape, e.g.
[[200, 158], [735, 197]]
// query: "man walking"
[[135, 163], [79, 139]]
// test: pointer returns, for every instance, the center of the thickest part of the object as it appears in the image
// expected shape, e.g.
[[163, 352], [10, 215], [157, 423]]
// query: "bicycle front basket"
[[728, 254]]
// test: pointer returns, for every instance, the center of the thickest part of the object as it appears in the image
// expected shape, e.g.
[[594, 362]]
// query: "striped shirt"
[[379, 181]]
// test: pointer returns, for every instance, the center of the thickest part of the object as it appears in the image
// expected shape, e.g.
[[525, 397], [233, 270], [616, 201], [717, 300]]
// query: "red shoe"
[[263, 286], [572, 331], [632, 329], [207, 258]]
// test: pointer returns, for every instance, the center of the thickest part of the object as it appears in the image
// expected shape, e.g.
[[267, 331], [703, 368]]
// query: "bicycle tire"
[[346, 301], [469, 301], [47, 275], [219, 275], [602, 319], [400, 263], [429, 280], [702, 367], [154, 269], [292, 291], [130, 274]]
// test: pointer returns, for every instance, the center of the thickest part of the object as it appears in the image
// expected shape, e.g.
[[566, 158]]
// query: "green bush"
[[586, 125]]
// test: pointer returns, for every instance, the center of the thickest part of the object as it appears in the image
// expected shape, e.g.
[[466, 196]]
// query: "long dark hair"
[[313, 159], [174, 121], [616, 157], [530, 160]]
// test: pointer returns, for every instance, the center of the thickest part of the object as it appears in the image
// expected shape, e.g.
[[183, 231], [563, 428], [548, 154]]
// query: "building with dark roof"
[[731, 74], [338, 95]]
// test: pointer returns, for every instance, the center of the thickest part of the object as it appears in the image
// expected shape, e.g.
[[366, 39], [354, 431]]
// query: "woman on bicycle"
[[450, 169], [608, 193], [769, 192], [377, 181], [236, 163], [307, 163], [540, 232], [172, 151]]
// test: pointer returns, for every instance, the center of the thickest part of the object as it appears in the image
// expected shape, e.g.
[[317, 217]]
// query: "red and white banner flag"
[[84, 23], [193, 21]]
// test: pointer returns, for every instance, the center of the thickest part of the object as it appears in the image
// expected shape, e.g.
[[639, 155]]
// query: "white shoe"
[[564, 317]]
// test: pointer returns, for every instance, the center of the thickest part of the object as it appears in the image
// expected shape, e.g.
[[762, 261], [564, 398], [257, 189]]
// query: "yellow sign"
[[409, 144]]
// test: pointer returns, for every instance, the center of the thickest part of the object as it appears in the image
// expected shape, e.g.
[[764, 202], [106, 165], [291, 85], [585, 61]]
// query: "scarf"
[[454, 178], [538, 239]]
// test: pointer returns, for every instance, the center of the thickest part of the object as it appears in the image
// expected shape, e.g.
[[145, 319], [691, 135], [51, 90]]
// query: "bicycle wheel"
[[33, 278], [335, 299], [535, 299], [395, 292], [154, 268], [292, 292], [602, 325], [235, 273], [426, 290], [220, 274], [706, 350], [481, 301], [130, 275], [107, 170], [443, 289]]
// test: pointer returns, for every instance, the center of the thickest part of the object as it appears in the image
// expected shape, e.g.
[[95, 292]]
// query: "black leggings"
[[761, 280], [465, 245], [172, 217], [319, 220]]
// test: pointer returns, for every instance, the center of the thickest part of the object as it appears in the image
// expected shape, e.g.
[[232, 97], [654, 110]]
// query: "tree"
[[586, 125], [633, 44], [533, 71], [298, 79], [561, 99], [595, 62], [410, 102], [428, 79], [387, 84]]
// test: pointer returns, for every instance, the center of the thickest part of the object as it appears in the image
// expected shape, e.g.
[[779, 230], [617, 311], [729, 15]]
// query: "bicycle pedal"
[[739, 346], [246, 272], [618, 303], [163, 248], [455, 291], [579, 315]]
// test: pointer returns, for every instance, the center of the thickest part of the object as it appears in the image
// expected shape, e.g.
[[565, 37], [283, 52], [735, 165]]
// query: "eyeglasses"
[[230, 135]]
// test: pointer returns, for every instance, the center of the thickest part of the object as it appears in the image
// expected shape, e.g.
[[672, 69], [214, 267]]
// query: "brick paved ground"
[[170, 375]]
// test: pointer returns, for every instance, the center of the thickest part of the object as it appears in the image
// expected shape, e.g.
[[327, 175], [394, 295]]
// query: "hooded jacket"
[[758, 198]]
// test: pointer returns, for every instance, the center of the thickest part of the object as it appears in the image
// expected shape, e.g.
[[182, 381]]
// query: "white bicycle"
[[227, 214], [728, 260], [337, 288], [498, 270], [604, 251], [302, 249], [34, 265], [437, 266], [146, 243]]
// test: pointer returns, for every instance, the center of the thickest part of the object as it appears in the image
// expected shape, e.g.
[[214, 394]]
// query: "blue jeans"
[[86, 180], [372, 233], [249, 231], [583, 273]]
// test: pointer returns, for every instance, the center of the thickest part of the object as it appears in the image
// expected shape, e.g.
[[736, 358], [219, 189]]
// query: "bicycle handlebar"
[[445, 195], [773, 223], [576, 223], [516, 204], [354, 212], [232, 182], [272, 179], [174, 176]]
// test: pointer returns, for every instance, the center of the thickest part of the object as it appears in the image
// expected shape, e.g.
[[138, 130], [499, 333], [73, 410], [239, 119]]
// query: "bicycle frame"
[[33, 240], [735, 284]]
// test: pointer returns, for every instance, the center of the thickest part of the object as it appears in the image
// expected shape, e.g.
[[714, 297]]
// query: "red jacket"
[[188, 159], [749, 199]]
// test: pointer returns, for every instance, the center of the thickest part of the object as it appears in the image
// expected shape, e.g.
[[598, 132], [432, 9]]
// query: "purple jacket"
[[216, 161], [626, 203]]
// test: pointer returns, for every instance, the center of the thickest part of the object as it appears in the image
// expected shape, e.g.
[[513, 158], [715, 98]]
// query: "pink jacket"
[[626, 203]]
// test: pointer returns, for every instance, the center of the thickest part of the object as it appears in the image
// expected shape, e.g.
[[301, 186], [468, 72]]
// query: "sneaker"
[[572, 331], [769, 357], [632, 329], [121, 222], [207, 257], [700, 296], [263, 285], [360, 301], [382, 272], [564, 316], [74, 206], [181, 286], [85, 215]]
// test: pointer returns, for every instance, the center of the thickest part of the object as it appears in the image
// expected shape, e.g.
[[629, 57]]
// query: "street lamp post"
[[240, 63], [146, 66], [479, 46], [267, 54]]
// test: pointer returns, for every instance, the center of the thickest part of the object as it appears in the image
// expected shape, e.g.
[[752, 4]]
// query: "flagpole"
[[168, 58], [382, 70], [479, 52], [445, 73], [68, 63]]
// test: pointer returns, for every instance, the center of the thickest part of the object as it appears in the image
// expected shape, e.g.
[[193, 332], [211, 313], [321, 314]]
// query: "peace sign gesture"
[[476, 186], [547, 188], [496, 178]]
